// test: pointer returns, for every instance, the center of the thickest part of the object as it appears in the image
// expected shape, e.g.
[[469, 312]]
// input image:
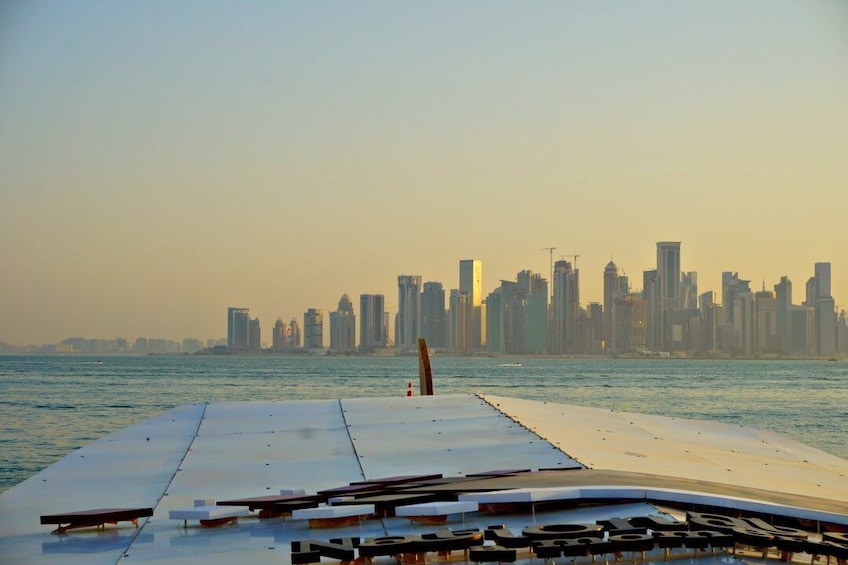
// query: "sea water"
[[51, 405]]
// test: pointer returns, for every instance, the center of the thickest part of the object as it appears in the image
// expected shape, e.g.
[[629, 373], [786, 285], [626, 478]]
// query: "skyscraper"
[[313, 329], [343, 326], [372, 330], [293, 335], [735, 333], [611, 293], [743, 323], [471, 279], [471, 283], [783, 304], [279, 336], [533, 301], [824, 311], [667, 294], [238, 328], [689, 291], [842, 332], [433, 314], [565, 301], [822, 276], [494, 321], [668, 274], [508, 318], [765, 322], [254, 335], [461, 314], [731, 287], [649, 294], [594, 335], [711, 321], [826, 326], [811, 292], [632, 320], [408, 325]]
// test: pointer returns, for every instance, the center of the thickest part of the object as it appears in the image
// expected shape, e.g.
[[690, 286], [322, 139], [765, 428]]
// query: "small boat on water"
[[516, 364]]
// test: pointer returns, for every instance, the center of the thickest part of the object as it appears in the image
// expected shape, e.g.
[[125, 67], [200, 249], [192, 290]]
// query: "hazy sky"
[[161, 161]]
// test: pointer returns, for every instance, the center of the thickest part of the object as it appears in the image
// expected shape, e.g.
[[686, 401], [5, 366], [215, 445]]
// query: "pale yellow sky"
[[160, 162]]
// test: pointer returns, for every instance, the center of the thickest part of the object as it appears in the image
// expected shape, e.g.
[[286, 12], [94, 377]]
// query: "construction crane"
[[574, 257], [551, 251]]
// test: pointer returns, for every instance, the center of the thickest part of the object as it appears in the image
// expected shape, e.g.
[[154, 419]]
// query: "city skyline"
[[565, 308], [162, 162]]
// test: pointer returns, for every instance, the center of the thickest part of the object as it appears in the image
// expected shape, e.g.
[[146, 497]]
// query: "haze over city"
[[160, 162]]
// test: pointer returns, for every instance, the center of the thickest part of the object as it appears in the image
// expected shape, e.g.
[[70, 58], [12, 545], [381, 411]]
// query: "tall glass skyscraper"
[[238, 329], [461, 312], [783, 299], [433, 314], [822, 276], [667, 293], [824, 311], [471, 284], [408, 325], [372, 328], [254, 335], [566, 309], [343, 326], [611, 294], [668, 274], [471, 279], [279, 335], [313, 329]]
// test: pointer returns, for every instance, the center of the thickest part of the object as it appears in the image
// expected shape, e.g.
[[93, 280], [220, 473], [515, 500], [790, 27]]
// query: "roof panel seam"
[[168, 484], [532, 431]]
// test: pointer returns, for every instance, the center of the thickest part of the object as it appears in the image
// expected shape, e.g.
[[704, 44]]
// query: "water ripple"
[[52, 405]]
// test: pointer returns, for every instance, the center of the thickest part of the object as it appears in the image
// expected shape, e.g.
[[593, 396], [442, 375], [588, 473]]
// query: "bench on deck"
[[272, 506], [334, 516], [435, 512], [208, 514], [97, 517], [385, 504]]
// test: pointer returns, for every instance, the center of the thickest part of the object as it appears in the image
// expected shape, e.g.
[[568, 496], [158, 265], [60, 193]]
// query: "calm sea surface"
[[51, 405]]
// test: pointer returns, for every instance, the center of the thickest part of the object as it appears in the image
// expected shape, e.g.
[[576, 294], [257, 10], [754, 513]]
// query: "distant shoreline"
[[267, 353]]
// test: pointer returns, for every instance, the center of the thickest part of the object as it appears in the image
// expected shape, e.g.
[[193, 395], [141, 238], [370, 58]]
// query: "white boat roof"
[[247, 449]]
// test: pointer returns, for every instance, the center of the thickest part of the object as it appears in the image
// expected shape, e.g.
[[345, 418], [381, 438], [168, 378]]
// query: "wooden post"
[[425, 374]]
